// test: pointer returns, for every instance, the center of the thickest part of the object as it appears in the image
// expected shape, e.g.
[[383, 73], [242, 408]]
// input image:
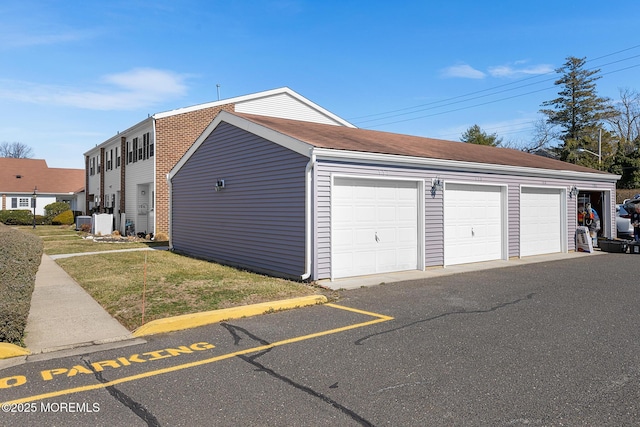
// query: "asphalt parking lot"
[[555, 343]]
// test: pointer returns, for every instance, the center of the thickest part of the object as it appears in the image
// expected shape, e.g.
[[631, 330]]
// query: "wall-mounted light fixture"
[[573, 192], [437, 184], [219, 184]]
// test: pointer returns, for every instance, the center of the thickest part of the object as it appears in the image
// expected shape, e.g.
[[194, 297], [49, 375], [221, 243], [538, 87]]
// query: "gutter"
[[308, 191]]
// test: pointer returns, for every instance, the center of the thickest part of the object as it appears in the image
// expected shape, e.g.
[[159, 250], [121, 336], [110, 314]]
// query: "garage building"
[[313, 201]]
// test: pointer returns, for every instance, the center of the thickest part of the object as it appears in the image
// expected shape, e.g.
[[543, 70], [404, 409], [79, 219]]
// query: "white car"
[[623, 222]]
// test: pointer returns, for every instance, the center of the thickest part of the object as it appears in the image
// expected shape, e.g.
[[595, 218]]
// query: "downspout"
[[308, 215], [155, 178], [169, 213]]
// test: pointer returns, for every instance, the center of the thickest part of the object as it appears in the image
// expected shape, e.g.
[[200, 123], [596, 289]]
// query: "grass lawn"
[[64, 240], [174, 284]]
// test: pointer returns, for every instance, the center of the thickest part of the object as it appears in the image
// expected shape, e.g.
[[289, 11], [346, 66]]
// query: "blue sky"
[[74, 73]]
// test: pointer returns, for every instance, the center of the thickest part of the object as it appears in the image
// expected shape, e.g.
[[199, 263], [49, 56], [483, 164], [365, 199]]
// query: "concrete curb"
[[11, 350], [194, 320]]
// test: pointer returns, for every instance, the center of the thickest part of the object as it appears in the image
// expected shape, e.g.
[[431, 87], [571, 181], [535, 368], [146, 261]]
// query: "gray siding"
[[258, 220], [434, 209]]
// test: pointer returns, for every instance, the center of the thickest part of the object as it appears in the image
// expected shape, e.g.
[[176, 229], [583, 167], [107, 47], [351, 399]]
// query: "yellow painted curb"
[[194, 320], [11, 350]]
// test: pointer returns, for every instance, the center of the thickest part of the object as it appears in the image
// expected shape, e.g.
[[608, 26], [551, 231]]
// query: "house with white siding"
[[312, 201], [126, 174], [28, 184]]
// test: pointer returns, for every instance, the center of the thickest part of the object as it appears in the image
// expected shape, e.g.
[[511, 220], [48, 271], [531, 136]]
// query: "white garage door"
[[472, 223], [374, 226], [540, 221]]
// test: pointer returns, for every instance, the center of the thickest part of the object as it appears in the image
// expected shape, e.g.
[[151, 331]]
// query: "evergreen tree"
[[475, 135], [578, 110]]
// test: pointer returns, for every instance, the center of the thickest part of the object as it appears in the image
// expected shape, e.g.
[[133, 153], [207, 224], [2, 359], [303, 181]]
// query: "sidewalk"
[[63, 316], [64, 319]]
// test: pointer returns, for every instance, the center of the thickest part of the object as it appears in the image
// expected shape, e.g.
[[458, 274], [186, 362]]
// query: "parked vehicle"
[[623, 223]]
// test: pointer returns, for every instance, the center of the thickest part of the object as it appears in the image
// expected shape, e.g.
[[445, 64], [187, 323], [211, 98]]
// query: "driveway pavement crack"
[[450, 313], [233, 330], [135, 407]]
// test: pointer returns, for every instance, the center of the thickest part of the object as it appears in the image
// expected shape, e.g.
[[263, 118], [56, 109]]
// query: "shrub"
[[20, 256], [16, 217], [64, 218], [162, 237], [54, 209]]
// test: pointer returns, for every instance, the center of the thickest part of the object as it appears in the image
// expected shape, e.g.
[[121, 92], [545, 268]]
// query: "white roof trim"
[[283, 140], [254, 96], [455, 165]]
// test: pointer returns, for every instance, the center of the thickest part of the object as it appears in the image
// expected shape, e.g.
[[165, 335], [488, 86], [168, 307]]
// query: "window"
[[24, 203], [117, 158], [98, 164], [135, 150], [110, 160], [14, 203], [129, 153], [150, 147], [145, 146], [92, 166]]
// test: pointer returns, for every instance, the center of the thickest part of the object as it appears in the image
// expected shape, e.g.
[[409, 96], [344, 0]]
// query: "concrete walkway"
[[63, 315]]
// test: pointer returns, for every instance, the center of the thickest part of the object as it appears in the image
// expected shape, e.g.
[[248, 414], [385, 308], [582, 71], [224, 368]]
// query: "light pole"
[[34, 195], [599, 153]]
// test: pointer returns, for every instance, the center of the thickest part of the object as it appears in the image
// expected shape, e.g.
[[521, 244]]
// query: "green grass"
[[174, 284], [65, 240]]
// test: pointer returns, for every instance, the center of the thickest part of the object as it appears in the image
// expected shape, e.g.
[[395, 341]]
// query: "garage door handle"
[[473, 233], [377, 238]]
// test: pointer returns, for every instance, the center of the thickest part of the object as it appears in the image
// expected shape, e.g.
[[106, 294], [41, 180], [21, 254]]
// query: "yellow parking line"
[[379, 318]]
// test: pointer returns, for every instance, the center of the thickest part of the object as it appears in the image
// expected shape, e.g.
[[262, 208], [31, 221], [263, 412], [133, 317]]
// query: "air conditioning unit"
[[81, 220]]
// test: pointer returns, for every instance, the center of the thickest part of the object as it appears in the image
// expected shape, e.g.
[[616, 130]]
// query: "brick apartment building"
[[126, 174]]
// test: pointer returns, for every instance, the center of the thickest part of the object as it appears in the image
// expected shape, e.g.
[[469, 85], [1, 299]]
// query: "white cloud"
[[518, 71], [515, 70], [464, 71], [134, 89]]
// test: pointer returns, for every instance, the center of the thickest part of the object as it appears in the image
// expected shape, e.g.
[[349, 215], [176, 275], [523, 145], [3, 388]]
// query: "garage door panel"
[[473, 223], [364, 237], [382, 218], [342, 238], [365, 213], [540, 221]]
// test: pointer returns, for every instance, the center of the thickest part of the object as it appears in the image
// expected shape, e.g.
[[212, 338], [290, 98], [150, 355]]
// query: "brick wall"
[[174, 136]]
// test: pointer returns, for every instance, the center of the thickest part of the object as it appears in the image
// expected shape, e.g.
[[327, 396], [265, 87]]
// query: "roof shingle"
[[23, 175], [363, 140]]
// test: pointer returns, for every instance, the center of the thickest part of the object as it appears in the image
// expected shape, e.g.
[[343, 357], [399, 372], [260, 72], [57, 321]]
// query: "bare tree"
[[626, 123], [16, 150], [544, 133]]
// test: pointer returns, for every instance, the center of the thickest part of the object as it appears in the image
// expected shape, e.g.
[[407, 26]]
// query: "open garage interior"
[[600, 201]]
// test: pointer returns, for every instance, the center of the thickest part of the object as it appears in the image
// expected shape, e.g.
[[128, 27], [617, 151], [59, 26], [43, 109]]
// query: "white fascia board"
[[459, 166], [116, 137], [286, 141]]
